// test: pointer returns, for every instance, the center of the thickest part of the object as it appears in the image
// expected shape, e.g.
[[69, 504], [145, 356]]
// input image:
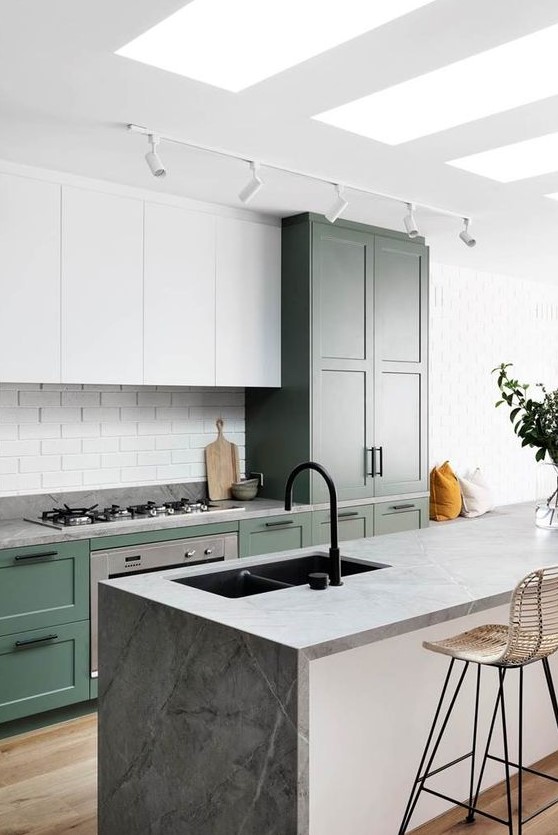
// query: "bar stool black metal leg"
[[419, 781], [488, 741], [471, 815], [501, 673], [550, 685], [520, 758]]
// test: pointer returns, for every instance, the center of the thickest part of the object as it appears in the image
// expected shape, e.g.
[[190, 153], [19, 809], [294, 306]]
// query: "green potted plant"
[[534, 421]]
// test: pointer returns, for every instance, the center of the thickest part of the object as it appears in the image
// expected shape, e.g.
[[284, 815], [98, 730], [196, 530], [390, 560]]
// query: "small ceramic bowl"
[[245, 490]]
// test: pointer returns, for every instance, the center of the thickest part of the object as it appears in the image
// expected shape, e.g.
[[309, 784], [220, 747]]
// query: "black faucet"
[[334, 553]]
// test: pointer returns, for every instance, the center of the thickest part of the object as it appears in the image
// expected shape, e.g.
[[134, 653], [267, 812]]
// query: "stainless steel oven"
[[118, 562]]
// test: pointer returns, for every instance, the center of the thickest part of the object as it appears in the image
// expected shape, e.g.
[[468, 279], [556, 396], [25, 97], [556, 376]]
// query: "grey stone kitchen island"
[[298, 711]]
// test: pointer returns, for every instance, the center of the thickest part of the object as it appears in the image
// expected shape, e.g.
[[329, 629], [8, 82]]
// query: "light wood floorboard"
[[48, 786]]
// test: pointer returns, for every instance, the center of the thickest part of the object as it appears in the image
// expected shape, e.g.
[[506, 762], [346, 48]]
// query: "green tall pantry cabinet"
[[354, 364]]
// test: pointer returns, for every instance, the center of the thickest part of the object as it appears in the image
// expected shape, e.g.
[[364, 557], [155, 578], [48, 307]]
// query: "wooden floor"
[[48, 787]]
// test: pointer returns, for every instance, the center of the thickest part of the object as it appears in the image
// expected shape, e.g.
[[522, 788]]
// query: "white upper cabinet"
[[179, 296], [29, 280], [102, 288], [248, 308]]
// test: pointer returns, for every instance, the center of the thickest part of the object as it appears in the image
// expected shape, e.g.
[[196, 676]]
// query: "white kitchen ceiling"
[[65, 98]]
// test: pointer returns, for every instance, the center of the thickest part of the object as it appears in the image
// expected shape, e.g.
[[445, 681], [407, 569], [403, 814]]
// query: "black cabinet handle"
[[372, 452], [36, 556], [380, 449], [28, 641], [347, 514], [401, 506], [277, 524]]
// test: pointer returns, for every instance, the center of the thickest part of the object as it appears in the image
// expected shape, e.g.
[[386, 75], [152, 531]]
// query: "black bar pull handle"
[[372, 452], [45, 554], [401, 506], [380, 449], [347, 514], [28, 641], [278, 524]]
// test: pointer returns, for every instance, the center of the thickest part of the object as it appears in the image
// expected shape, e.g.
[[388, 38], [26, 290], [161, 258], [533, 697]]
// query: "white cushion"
[[475, 495]]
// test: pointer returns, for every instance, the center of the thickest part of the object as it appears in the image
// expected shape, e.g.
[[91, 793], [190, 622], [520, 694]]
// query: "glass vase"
[[546, 515]]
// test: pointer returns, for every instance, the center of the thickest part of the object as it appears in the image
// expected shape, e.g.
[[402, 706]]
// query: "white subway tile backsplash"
[[60, 480], [20, 483], [86, 461], [81, 398], [119, 429], [59, 437], [81, 430], [40, 464], [119, 398], [100, 444], [119, 459], [8, 398], [39, 398], [101, 415], [139, 475], [158, 427], [8, 466], [61, 446], [18, 415], [62, 415], [20, 448], [154, 398], [154, 457], [138, 413], [100, 478], [136, 444]]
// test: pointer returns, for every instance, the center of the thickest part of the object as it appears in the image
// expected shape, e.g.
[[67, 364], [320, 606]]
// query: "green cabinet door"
[[43, 585], [354, 523], [275, 533], [43, 669], [343, 367], [401, 365], [398, 516]]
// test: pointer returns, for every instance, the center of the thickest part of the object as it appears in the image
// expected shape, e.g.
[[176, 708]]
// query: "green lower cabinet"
[[354, 522], [274, 533], [44, 585], [43, 669], [93, 688], [402, 515]]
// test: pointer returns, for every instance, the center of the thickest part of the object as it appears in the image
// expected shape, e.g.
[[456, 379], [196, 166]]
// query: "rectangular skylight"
[[517, 73], [514, 162], [233, 44]]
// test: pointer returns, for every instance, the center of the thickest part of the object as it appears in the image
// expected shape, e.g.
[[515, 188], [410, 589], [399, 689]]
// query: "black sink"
[[271, 576]]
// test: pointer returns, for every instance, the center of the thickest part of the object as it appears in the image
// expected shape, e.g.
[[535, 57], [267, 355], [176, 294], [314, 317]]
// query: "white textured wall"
[[477, 321], [60, 437]]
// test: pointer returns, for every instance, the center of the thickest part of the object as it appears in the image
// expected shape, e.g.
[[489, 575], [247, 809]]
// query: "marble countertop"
[[17, 533], [436, 574]]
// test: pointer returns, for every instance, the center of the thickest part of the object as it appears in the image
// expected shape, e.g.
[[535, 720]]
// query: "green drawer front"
[[100, 543], [35, 677], [354, 523], [43, 586], [398, 516], [275, 533]]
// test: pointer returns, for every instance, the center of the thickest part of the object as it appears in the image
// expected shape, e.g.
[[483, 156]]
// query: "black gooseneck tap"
[[334, 553]]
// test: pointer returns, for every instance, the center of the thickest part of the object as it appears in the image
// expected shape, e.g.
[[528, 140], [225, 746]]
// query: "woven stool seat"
[[483, 645]]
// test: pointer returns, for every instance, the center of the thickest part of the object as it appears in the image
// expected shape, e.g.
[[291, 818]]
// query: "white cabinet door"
[[248, 335], [102, 288], [179, 293], [29, 280]]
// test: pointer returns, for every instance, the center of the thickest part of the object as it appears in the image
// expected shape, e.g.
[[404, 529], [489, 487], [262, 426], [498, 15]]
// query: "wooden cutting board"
[[221, 462]]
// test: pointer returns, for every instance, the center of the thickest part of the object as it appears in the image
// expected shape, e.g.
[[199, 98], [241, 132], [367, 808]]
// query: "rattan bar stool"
[[532, 635]]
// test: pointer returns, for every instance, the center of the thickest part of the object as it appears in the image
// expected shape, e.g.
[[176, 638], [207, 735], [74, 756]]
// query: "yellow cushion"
[[445, 495]]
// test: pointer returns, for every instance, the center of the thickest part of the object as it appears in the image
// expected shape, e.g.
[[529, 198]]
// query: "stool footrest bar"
[[475, 809], [443, 767]]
